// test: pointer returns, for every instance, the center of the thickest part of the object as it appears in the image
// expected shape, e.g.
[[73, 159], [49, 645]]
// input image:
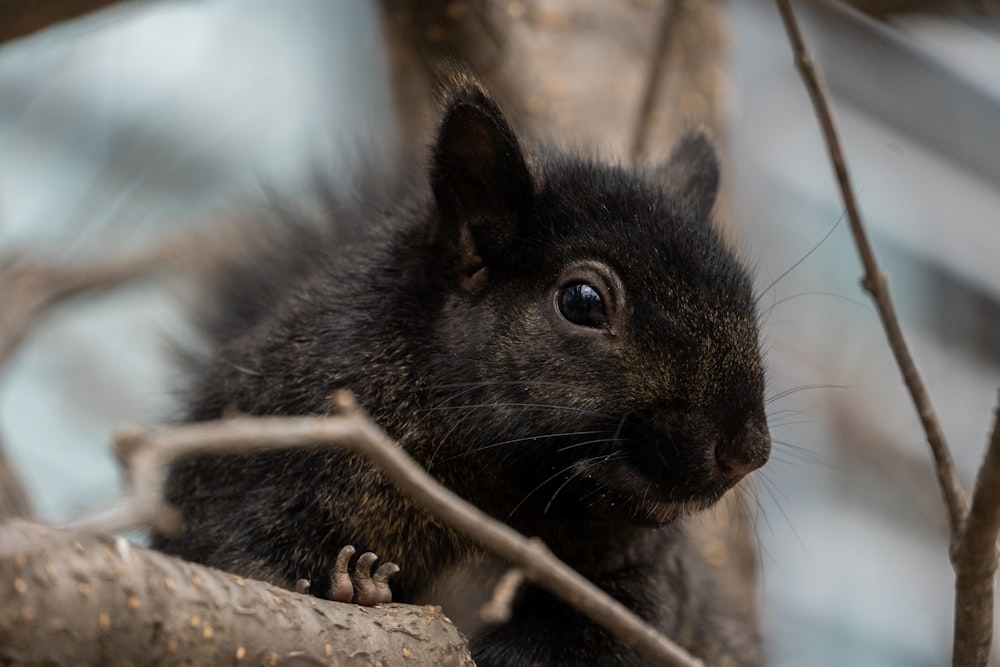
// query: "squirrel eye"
[[582, 304]]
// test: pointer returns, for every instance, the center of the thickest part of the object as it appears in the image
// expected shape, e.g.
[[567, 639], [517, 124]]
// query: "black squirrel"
[[566, 344]]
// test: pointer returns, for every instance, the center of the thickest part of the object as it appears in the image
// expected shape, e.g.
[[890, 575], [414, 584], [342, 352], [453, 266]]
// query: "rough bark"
[[975, 559], [67, 598]]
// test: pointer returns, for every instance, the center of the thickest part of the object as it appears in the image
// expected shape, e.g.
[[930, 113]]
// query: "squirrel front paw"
[[362, 586]]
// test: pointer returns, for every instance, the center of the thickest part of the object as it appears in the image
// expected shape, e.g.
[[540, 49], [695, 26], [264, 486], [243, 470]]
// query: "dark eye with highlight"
[[581, 304]]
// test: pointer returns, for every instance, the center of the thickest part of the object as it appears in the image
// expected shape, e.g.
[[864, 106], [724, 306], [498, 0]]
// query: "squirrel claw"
[[381, 578], [373, 588], [341, 587], [359, 585], [302, 586]]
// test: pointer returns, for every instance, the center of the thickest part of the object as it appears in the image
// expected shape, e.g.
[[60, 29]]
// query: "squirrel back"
[[567, 344]]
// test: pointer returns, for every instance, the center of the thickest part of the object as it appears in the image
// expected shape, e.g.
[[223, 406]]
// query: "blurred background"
[[135, 123]]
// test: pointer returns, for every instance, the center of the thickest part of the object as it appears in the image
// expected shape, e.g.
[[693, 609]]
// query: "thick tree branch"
[[877, 284], [975, 560], [147, 453], [70, 598]]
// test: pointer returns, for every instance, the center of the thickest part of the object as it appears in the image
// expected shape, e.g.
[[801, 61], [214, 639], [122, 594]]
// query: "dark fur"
[[442, 320]]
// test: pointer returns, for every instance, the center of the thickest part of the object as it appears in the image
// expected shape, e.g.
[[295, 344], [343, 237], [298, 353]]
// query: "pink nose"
[[733, 470], [736, 462]]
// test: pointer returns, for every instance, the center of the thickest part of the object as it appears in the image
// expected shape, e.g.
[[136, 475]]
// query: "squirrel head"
[[598, 340]]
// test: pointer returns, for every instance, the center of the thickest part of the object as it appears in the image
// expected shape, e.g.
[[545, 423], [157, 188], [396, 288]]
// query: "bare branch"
[[28, 287], [498, 608], [147, 453], [975, 560], [876, 283], [68, 598], [669, 18], [974, 532]]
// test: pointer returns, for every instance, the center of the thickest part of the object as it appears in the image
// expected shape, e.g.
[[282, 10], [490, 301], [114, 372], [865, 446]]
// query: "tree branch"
[[975, 560], [665, 35], [29, 287], [973, 532], [147, 453], [69, 598], [877, 284]]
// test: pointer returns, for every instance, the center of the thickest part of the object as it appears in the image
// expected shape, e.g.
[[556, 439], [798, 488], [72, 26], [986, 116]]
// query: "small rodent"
[[566, 344]]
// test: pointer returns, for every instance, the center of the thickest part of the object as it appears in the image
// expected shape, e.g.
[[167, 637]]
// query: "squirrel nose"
[[741, 458], [735, 469]]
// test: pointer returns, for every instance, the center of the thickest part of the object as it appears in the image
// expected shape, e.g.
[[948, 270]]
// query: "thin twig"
[[666, 30], [147, 453], [28, 287], [975, 562], [876, 283], [973, 532], [499, 607]]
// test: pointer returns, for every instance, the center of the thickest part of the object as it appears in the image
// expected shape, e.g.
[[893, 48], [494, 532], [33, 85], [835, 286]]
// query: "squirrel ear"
[[691, 175], [480, 180]]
